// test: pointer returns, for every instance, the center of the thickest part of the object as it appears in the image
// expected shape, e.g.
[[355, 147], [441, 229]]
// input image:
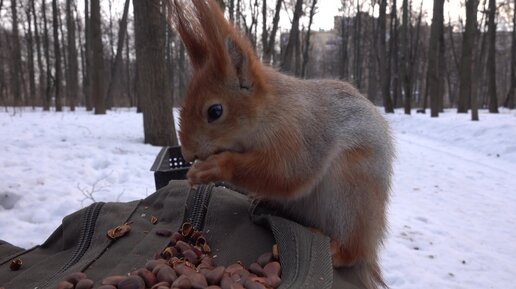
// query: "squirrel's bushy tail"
[[370, 274]]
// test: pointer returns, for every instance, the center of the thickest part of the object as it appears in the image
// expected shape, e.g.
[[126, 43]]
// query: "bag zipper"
[[87, 229], [197, 206]]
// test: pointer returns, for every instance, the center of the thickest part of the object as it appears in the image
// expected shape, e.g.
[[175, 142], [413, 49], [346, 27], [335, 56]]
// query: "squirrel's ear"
[[240, 62], [183, 18]]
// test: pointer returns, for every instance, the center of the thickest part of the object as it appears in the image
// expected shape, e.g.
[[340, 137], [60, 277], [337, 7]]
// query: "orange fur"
[[318, 148]]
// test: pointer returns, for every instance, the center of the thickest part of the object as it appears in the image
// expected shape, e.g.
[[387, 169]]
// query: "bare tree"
[[269, 48], [393, 54], [491, 58], [382, 57], [128, 70], [468, 44], [72, 76], [433, 77], [158, 123], [57, 57], [97, 86], [510, 99], [30, 55], [116, 67], [46, 49], [88, 61], [357, 38], [41, 75], [306, 47], [288, 55], [405, 62], [16, 55]]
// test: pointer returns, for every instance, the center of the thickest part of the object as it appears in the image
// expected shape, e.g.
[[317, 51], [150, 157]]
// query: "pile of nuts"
[[187, 263]]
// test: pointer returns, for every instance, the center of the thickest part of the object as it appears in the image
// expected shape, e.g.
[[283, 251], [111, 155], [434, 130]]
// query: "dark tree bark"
[[306, 48], [343, 67], [468, 43], [269, 48], [382, 55], [231, 8], [288, 55], [116, 67], [405, 63], [16, 56], [72, 76], [478, 65], [393, 55], [151, 66], [2, 72], [265, 32], [433, 74], [97, 84], [358, 47], [30, 55], [57, 57], [129, 84], [442, 71], [491, 58], [87, 80], [372, 82], [41, 75], [510, 99], [46, 49]]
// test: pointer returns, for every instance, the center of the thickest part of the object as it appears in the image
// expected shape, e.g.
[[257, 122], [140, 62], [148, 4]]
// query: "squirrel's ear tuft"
[[240, 62], [184, 19]]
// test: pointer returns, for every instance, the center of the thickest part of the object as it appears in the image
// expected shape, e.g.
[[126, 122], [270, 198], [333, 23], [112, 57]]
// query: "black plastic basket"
[[169, 165]]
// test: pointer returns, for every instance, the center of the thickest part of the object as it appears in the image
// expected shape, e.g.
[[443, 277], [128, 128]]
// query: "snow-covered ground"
[[452, 214]]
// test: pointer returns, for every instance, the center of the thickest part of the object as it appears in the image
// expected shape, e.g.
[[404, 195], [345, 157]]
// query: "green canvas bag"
[[236, 227]]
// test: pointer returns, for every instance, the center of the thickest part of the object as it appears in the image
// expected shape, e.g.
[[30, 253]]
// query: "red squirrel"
[[318, 148]]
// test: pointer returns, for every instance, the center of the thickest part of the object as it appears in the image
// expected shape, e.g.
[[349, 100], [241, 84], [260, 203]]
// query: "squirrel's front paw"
[[210, 170]]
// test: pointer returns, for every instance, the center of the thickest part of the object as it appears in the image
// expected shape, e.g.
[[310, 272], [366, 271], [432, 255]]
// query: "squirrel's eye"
[[214, 112]]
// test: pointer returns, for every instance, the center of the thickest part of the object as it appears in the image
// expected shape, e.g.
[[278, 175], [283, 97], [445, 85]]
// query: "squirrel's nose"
[[188, 155]]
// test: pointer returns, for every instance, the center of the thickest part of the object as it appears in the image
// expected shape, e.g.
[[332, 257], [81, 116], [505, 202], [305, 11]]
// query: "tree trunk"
[[158, 122], [358, 47], [510, 99], [269, 48], [128, 84], [116, 68], [477, 65], [442, 71], [382, 55], [414, 62], [87, 81], [46, 48], [393, 55], [372, 83], [231, 9], [468, 42], [72, 82], [265, 33], [306, 48], [57, 57], [16, 56], [41, 74], [405, 63], [433, 74], [97, 84], [491, 58], [343, 67], [30, 55], [288, 55]]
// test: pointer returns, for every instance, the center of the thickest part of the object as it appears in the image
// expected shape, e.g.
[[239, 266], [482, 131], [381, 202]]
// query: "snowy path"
[[452, 218], [452, 213]]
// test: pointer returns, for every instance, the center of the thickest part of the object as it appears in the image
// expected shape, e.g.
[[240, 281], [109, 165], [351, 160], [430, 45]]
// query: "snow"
[[452, 213]]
